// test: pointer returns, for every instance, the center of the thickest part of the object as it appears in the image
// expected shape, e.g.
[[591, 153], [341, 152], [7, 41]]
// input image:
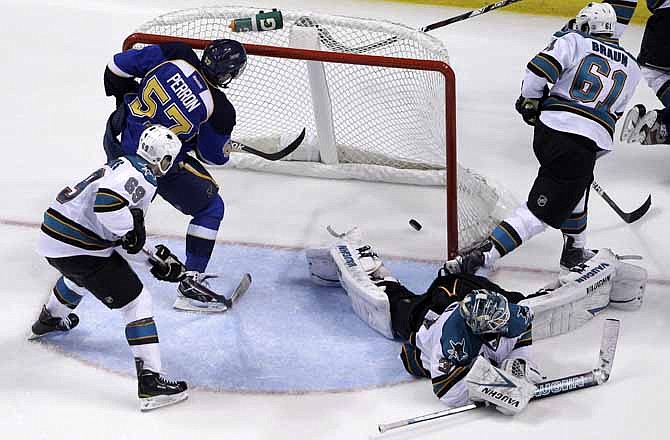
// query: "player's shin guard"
[[64, 298], [141, 331], [201, 235]]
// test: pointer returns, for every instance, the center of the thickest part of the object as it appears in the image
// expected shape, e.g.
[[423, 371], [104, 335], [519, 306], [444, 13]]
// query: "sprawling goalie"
[[471, 337]]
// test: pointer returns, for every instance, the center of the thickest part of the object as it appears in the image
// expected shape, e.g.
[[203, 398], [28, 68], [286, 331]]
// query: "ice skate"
[[47, 323], [574, 256], [155, 391]]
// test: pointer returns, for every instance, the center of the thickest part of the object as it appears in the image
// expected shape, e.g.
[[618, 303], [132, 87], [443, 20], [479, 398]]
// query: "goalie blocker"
[[576, 297]]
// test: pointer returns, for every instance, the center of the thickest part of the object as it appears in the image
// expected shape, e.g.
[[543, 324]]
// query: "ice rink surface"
[[54, 110]]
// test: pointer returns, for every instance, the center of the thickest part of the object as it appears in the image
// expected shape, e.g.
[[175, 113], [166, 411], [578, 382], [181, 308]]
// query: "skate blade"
[[150, 403], [189, 305]]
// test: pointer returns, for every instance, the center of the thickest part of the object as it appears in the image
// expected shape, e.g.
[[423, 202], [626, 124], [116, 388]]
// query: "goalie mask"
[[596, 18], [159, 146], [485, 312]]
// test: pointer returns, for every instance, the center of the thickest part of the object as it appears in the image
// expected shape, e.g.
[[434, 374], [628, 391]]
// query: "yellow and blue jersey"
[[172, 92]]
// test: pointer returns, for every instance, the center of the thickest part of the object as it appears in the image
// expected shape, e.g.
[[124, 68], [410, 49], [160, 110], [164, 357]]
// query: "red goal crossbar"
[[371, 60]]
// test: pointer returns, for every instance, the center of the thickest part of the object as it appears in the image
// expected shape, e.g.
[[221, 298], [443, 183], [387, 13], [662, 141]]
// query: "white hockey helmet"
[[596, 18], [159, 146]]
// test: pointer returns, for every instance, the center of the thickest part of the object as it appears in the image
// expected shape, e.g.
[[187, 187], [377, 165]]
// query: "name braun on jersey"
[[610, 53], [183, 92]]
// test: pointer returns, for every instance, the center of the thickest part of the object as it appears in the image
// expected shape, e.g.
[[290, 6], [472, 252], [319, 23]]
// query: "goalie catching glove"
[[165, 266], [508, 392]]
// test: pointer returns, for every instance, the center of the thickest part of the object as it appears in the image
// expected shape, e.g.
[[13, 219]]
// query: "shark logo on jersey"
[[457, 350], [525, 313]]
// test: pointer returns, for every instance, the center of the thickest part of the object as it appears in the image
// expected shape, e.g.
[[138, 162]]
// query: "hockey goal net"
[[377, 100]]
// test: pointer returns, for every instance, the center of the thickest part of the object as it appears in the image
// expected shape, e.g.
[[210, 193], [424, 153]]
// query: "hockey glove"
[[166, 266], [134, 240], [529, 109]]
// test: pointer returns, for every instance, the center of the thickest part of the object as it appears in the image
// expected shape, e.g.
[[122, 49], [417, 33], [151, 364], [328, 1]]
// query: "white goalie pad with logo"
[[583, 292], [369, 301]]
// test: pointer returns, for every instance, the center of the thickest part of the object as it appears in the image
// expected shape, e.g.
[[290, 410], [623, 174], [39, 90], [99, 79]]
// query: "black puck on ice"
[[415, 224]]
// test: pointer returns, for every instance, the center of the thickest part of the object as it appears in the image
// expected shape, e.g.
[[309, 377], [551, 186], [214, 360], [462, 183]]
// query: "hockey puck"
[[415, 224]]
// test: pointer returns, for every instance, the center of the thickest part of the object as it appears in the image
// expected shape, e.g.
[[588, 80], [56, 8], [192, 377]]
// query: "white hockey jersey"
[[90, 218], [444, 348], [593, 81]]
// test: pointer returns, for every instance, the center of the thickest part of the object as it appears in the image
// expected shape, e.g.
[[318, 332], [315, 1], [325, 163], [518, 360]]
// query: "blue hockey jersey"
[[174, 93]]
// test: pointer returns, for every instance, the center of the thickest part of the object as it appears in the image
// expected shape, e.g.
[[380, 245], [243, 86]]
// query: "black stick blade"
[[290, 148], [639, 212]]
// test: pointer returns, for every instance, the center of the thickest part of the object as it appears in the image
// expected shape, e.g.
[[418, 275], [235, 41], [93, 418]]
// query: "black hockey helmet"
[[222, 61]]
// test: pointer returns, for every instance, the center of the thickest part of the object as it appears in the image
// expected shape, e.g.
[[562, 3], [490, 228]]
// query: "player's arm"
[[125, 66], [624, 13], [123, 195], [215, 133], [546, 67]]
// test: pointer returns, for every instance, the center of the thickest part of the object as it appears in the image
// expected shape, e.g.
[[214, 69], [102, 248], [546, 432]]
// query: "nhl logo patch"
[[542, 200]]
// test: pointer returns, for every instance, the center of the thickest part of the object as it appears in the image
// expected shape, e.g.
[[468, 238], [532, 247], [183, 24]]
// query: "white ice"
[[53, 115]]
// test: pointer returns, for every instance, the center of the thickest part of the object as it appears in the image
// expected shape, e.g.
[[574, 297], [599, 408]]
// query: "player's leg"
[[115, 284], [566, 171], [574, 236], [191, 189], [56, 314]]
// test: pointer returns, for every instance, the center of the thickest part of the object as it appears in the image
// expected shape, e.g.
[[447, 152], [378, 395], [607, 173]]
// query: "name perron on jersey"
[[89, 217], [593, 81]]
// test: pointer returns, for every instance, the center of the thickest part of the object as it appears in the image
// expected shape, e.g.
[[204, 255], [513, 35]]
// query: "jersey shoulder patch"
[[520, 318], [459, 345]]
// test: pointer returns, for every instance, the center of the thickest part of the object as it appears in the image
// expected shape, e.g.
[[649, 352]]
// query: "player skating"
[[463, 316], [78, 237], [652, 127], [181, 92], [593, 80]]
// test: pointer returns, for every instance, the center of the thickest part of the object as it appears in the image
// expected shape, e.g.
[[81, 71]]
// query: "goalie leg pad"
[[508, 393], [322, 268], [584, 291], [368, 300], [628, 287]]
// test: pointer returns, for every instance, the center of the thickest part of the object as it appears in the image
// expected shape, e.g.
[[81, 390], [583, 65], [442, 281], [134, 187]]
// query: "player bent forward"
[[467, 331], [79, 234]]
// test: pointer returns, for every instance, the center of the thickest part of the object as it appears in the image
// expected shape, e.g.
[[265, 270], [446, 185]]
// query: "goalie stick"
[[236, 147], [628, 217], [597, 376]]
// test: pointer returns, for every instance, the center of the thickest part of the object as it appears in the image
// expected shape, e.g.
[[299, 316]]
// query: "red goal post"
[[368, 60]]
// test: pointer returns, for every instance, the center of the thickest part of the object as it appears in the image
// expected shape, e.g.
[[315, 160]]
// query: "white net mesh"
[[365, 122]]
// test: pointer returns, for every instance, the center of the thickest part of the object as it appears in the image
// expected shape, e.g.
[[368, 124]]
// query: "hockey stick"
[[468, 14], [597, 376], [329, 41], [241, 288], [236, 146], [628, 217]]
